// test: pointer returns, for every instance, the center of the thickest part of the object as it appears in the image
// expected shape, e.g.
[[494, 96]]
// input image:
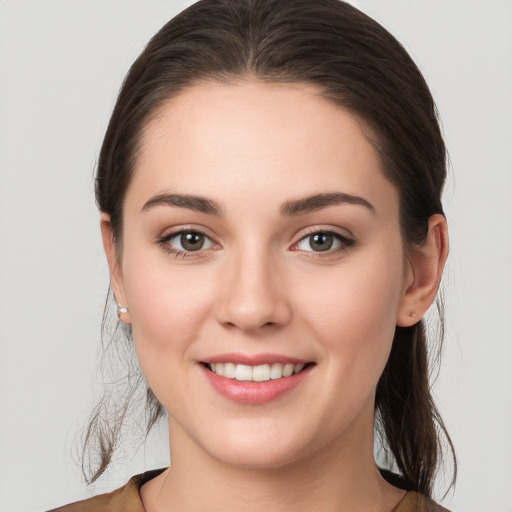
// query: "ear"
[[425, 267], [114, 265]]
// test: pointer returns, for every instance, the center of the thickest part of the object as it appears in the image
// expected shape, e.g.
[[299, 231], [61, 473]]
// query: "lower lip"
[[254, 393]]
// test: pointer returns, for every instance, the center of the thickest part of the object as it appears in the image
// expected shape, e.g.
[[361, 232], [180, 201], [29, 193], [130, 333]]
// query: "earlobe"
[[116, 274], [426, 268]]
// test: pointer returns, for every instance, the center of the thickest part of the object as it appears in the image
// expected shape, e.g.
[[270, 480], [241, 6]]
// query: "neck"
[[337, 478]]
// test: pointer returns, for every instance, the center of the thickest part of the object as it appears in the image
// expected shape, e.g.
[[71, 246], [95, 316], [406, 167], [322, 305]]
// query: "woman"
[[270, 187]]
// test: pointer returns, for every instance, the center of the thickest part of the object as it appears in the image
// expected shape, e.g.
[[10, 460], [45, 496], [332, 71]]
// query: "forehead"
[[250, 138]]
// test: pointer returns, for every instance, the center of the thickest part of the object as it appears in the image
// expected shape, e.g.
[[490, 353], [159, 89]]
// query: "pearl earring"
[[121, 309]]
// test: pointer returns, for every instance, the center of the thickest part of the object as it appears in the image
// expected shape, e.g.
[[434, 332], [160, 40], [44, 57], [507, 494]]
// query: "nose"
[[253, 294]]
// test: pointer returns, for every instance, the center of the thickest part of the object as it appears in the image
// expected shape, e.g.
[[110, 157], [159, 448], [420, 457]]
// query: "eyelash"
[[344, 243], [164, 242]]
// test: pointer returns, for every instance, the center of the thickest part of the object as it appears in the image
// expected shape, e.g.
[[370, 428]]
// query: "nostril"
[[249, 304]]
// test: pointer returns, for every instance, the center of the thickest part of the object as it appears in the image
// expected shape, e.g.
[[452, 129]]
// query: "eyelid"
[[179, 228], [343, 233], [164, 239], [345, 240]]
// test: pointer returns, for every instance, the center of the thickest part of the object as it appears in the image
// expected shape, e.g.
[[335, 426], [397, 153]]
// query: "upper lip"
[[254, 359]]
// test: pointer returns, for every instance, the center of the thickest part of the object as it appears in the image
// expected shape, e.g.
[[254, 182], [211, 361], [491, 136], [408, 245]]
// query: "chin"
[[257, 459], [257, 448]]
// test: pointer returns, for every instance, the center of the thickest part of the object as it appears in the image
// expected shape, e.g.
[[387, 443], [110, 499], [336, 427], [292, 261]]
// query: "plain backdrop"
[[61, 65]]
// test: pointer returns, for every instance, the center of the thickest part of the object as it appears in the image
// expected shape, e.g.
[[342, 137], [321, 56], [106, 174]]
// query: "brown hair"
[[360, 67]]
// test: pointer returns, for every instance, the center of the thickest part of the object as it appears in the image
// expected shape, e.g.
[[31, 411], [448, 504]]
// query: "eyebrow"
[[290, 208], [191, 202], [318, 201]]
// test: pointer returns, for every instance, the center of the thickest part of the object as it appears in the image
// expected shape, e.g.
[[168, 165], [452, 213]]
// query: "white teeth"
[[229, 370], [298, 368], [287, 370], [243, 372], [260, 373], [276, 371]]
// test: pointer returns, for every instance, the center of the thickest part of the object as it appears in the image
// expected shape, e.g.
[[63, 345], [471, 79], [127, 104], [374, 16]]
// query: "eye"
[[184, 242], [324, 241], [190, 241]]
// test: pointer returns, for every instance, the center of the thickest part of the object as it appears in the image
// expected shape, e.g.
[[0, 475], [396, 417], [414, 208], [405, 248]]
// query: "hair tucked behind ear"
[[406, 415], [363, 69]]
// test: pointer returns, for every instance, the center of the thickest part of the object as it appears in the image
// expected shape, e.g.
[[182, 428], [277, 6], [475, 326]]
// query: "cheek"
[[353, 313], [168, 304]]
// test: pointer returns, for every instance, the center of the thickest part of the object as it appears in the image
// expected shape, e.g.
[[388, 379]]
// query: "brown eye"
[[320, 242], [186, 242], [324, 241], [192, 241]]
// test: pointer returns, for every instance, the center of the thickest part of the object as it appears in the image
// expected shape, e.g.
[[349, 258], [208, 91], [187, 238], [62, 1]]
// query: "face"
[[260, 239]]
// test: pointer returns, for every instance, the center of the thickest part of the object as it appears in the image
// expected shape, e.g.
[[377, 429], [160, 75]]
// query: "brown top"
[[127, 499]]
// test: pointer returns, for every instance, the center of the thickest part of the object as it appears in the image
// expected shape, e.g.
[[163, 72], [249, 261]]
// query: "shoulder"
[[415, 502], [124, 499]]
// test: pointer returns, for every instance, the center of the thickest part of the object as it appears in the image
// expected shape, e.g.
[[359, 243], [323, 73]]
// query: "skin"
[[259, 287]]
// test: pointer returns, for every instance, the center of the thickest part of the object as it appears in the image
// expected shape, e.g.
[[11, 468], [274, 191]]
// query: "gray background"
[[61, 64]]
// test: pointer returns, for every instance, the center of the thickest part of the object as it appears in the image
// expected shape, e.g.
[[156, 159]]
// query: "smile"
[[259, 373], [257, 383]]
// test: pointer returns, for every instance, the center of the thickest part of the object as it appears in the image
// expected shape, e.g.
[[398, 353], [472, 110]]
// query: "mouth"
[[257, 373], [255, 379]]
